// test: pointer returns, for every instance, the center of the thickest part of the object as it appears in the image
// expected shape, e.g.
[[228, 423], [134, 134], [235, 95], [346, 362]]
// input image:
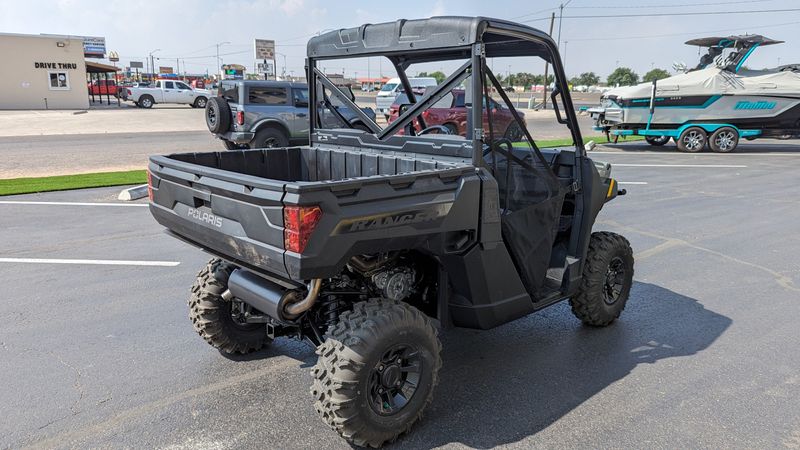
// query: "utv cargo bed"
[[238, 198]]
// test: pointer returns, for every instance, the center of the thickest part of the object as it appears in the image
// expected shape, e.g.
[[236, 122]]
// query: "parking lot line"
[[22, 202], [631, 182], [98, 262], [715, 166]]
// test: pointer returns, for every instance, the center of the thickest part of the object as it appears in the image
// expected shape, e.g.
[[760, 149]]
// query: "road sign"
[[137, 65], [94, 47], [264, 49], [267, 67], [233, 71]]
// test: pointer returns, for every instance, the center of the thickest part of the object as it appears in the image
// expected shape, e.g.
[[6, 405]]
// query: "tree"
[[623, 76], [438, 75], [585, 79], [655, 74]]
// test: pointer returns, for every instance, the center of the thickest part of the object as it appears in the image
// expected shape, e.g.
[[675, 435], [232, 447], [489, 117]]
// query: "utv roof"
[[433, 39], [726, 41]]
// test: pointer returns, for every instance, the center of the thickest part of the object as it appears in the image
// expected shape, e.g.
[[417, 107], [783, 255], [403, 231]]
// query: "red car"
[[103, 87], [451, 113]]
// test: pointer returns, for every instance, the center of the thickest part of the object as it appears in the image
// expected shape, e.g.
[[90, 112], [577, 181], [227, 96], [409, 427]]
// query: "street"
[[99, 353], [34, 156]]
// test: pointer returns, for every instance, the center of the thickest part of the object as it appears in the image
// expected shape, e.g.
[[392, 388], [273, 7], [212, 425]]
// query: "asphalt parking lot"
[[98, 351]]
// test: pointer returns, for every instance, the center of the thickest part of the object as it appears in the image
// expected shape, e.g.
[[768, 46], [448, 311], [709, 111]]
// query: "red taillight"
[[298, 223], [240, 117], [149, 186], [129, 92]]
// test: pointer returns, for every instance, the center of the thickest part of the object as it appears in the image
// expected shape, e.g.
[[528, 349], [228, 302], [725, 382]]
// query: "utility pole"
[[560, 16], [547, 66]]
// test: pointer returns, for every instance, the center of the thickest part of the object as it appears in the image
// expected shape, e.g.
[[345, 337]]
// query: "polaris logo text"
[[205, 217], [761, 104]]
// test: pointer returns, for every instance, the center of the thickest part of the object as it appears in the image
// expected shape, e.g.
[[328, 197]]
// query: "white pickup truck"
[[168, 91]]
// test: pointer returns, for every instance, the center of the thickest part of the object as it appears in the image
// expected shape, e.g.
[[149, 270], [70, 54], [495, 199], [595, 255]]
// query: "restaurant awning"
[[93, 67]]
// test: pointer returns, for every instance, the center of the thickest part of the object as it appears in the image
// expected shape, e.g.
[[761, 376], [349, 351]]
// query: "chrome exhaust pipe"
[[293, 310]]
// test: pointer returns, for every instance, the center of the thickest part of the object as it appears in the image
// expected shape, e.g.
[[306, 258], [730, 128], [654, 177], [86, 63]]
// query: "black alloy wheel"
[[394, 379]]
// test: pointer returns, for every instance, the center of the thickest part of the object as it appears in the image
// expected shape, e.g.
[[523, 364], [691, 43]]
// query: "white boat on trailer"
[[717, 103]]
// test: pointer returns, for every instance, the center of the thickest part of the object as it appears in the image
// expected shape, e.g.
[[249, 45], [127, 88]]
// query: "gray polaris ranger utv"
[[364, 243]]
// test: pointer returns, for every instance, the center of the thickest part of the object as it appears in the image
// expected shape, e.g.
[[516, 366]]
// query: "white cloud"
[[290, 7], [438, 9]]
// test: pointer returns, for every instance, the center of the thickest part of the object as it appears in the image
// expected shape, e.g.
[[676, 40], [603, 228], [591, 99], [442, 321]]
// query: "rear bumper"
[[238, 137]]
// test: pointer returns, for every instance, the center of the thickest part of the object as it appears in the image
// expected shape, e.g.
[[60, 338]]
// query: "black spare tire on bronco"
[[218, 115]]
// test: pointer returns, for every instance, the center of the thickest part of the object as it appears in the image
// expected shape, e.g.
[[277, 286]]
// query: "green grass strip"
[[65, 182], [568, 141]]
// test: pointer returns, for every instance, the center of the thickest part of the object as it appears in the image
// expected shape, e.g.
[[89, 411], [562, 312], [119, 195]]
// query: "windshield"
[[388, 87]]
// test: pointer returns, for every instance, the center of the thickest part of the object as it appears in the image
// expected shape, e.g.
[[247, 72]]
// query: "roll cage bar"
[[490, 38]]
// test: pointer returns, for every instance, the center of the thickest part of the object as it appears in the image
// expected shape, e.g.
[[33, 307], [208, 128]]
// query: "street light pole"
[[219, 63], [152, 64], [283, 73]]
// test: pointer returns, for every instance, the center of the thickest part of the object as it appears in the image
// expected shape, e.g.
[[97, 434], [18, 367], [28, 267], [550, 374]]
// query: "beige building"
[[42, 72]]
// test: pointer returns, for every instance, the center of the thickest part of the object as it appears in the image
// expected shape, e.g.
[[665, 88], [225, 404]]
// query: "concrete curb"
[[133, 193]]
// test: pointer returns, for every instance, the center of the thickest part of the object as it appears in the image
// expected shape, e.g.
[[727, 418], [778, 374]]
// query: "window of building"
[[59, 81], [267, 96]]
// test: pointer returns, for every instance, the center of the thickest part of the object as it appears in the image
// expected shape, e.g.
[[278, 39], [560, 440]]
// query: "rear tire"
[[452, 128], [233, 146], [607, 280], [146, 101], [657, 141], [376, 371], [513, 132], [692, 140], [724, 140], [211, 314], [270, 137]]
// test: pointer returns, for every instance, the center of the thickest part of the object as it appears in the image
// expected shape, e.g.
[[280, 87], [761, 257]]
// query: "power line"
[[700, 13], [535, 12], [690, 33], [672, 5]]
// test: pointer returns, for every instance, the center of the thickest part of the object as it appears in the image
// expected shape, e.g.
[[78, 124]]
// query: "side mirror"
[[590, 146]]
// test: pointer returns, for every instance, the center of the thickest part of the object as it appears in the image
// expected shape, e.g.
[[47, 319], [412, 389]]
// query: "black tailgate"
[[239, 218]]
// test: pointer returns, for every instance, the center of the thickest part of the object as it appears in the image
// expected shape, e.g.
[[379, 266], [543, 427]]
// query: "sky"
[[190, 29]]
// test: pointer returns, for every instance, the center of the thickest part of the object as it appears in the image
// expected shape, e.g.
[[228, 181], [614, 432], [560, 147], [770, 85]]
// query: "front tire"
[[657, 141], [376, 371], [607, 280], [200, 102], [212, 316]]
